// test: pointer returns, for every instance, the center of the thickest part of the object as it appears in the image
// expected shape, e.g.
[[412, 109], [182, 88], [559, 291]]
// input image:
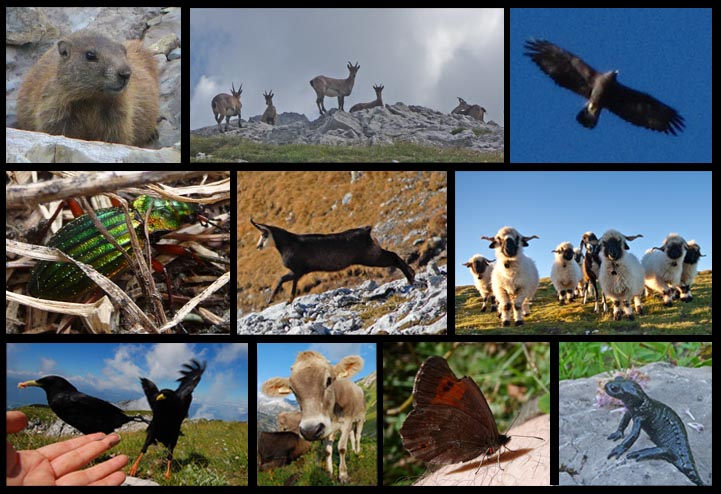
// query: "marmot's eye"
[[90, 55]]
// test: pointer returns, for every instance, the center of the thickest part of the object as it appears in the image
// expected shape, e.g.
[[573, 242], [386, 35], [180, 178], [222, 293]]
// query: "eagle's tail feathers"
[[588, 117]]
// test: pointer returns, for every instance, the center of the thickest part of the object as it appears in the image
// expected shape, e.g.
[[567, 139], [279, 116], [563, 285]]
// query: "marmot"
[[90, 87]]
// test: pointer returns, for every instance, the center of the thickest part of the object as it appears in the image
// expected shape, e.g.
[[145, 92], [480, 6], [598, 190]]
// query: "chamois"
[[327, 86], [474, 111], [365, 106], [225, 105], [303, 254], [270, 114]]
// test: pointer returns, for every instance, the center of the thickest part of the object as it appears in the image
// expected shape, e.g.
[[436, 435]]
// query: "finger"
[[52, 451], [16, 421], [79, 457], [106, 473]]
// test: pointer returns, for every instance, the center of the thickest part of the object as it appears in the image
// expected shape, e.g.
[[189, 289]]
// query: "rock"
[[414, 310], [134, 481], [376, 126], [23, 146], [584, 427]]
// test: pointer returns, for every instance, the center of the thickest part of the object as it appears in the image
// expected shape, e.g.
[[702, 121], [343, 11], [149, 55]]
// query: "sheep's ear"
[[466, 264], [662, 248], [625, 246], [526, 239], [492, 240]]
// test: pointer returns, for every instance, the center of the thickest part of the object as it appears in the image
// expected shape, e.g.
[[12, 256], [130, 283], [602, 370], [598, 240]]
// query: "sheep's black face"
[[510, 246], [674, 250], [613, 248], [479, 267], [692, 255], [568, 254]]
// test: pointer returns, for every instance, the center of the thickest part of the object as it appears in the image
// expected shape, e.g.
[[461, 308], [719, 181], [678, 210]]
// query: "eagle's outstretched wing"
[[564, 67], [641, 109]]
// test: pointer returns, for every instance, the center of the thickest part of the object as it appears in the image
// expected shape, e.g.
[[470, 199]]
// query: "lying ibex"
[[303, 254], [365, 106], [327, 86], [474, 111], [270, 114], [225, 105]]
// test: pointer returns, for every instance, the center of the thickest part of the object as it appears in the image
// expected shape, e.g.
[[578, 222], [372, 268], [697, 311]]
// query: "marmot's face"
[[95, 62]]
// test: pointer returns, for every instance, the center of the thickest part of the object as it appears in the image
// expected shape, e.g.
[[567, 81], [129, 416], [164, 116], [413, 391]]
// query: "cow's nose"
[[313, 432]]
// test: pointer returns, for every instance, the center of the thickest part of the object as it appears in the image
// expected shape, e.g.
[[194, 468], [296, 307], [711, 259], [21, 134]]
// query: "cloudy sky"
[[424, 57], [111, 372]]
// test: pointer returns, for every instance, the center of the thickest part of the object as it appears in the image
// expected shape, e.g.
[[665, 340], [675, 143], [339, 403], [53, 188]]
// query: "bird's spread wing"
[[191, 377], [642, 109], [151, 391], [564, 67]]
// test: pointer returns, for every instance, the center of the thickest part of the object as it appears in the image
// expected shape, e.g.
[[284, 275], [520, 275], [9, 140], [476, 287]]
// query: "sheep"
[[565, 272], [690, 268], [620, 274], [515, 277], [591, 266], [579, 258], [481, 270], [663, 265], [303, 254]]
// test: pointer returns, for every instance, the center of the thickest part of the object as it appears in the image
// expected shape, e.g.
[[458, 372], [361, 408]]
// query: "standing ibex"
[[270, 114], [225, 105], [365, 106], [474, 111], [327, 86]]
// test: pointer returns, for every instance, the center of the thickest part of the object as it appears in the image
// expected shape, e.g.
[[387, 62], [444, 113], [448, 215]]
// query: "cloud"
[[47, 365], [165, 360], [232, 351], [336, 351]]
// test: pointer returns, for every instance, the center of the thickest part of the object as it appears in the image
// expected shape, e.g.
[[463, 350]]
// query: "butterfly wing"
[[451, 421]]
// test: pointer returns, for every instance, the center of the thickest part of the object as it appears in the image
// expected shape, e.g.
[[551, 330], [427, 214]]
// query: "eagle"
[[602, 90]]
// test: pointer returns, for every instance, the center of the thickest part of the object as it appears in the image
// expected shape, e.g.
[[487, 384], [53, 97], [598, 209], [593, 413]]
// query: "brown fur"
[[90, 87]]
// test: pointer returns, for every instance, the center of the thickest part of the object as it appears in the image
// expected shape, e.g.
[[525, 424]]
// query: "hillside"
[[547, 317], [384, 133], [407, 210]]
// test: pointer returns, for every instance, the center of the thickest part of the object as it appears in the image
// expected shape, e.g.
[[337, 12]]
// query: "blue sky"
[[663, 52], [275, 359], [112, 371], [559, 206]]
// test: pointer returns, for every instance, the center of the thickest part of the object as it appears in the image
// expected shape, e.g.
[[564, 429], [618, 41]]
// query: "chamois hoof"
[[668, 304], [519, 323], [617, 316], [506, 323]]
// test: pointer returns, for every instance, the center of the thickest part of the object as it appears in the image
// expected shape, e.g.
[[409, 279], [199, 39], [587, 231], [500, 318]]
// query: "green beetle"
[[83, 242]]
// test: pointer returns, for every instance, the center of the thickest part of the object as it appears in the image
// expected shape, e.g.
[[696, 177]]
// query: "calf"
[[277, 449], [329, 402], [289, 422]]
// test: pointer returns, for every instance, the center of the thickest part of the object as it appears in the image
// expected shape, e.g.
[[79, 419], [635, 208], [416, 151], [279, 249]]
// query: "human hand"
[[527, 464], [60, 463]]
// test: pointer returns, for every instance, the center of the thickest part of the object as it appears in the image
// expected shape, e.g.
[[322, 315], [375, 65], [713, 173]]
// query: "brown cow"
[[277, 449], [329, 402]]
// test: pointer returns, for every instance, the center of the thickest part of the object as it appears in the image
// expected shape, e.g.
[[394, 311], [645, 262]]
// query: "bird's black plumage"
[[84, 412], [169, 410], [602, 90]]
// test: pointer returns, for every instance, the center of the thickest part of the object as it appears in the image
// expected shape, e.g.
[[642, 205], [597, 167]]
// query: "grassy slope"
[[211, 452], [230, 150], [547, 317], [314, 202]]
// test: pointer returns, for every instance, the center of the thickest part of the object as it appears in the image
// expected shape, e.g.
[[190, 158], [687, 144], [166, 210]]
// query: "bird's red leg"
[[134, 468], [167, 472]]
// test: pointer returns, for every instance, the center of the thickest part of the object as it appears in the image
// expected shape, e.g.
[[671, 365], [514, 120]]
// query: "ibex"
[[364, 106], [463, 108], [225, 105], [270, 114], [327, 86]]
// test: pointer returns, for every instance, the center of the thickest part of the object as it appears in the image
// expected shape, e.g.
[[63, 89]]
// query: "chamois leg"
[[283, 279], [321, 105], [341, 100]]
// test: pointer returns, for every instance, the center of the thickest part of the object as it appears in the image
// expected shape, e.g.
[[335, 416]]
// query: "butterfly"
[[451, 421]]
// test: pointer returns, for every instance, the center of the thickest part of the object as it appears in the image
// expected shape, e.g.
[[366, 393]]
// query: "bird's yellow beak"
[[161, 396], [27, 383]]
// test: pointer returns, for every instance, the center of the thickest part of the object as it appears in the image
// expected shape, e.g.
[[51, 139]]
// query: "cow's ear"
[[348, 366], [276, 386]]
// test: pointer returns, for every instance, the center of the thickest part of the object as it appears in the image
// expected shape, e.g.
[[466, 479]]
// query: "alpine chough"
[[169, 410], [86, 413]]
